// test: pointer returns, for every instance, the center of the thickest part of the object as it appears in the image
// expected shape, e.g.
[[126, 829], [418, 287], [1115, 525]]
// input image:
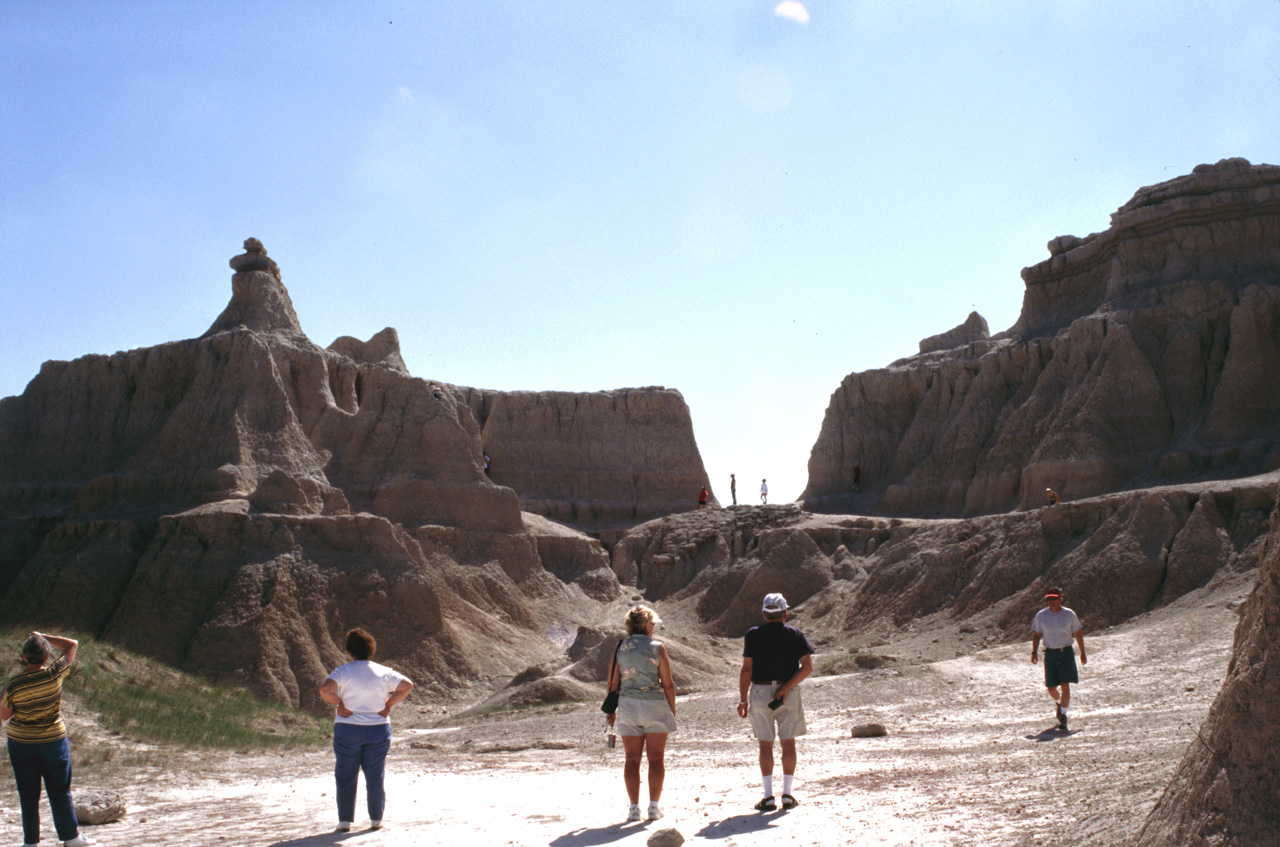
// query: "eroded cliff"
[[1144, 355], [232, 503]]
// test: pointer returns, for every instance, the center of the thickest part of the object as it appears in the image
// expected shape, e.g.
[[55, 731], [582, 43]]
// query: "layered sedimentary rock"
[[232, 503], [599, 460], [1117, 556], [1144, 355], [973, 329], [1227, 789]]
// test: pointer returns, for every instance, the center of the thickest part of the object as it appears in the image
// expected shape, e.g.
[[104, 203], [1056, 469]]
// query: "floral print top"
[[638, 663]]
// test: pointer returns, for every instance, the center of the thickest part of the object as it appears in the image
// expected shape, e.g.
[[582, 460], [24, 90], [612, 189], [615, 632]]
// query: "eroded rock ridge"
[[1144, 355]]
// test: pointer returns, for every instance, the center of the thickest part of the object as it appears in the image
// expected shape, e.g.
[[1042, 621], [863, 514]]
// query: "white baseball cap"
[[775, 603]]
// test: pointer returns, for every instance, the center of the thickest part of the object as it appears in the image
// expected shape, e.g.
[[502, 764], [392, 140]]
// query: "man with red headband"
[[1058, 625]]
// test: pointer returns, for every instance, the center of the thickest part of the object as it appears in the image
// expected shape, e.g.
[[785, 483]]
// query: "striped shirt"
[[36, 700]]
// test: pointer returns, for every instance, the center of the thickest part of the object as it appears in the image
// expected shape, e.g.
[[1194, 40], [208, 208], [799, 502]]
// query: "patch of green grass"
[[145, 700]]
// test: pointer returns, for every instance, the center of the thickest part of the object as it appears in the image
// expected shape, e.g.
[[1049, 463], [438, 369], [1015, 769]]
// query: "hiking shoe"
[[343, 826], [375, 824], [78, 841], [633, 813], [1062, 721], [789, 802], [766, 805], [655, 811]]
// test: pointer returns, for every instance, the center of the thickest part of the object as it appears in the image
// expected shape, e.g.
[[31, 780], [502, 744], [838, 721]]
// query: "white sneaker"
[[78, 841], [655, 811], [343, 826], [633, 813], [375, 824]]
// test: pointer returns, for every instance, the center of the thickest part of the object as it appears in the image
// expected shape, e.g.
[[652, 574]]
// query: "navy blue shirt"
[[775, 650]]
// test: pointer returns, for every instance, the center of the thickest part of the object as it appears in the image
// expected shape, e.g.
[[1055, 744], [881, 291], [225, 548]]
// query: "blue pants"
[[358, 748], [50, 761]]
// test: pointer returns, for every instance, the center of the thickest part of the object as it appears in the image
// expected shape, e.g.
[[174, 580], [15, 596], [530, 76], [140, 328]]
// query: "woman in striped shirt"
[[31, 706]]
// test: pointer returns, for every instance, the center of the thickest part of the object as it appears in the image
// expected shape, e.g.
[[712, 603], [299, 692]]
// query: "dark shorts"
[[1060, 667]]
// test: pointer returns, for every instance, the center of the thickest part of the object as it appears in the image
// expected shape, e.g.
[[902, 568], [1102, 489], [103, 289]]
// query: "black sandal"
[[766, 805], [789, 802]]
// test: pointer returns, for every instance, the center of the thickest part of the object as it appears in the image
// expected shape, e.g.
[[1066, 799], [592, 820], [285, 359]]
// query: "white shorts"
[[787, 719], [640, 717]]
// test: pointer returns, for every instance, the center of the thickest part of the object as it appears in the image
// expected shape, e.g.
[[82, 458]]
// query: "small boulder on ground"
[[98, 806], [868, 730], [669, 837]]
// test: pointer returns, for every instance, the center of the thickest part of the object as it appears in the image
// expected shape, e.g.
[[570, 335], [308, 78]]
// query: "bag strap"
[[613, 663]]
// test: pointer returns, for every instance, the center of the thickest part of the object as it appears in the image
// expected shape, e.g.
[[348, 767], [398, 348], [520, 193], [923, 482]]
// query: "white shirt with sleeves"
[[364, 688], [1058, 628]]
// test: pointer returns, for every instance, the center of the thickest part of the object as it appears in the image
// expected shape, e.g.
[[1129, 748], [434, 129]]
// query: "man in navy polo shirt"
[[1058, 625], [775, 659]]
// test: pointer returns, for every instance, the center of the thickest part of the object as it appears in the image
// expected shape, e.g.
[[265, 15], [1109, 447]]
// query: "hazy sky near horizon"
[[740, 201]]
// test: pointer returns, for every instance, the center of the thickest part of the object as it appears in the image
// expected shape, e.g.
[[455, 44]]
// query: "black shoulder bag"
[[610, 704]]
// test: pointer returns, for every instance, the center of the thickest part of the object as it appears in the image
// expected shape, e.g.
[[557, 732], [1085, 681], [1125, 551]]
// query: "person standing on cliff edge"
[[733, 489], [1058, 625], [764, 491], [775, 660], [702, 497]]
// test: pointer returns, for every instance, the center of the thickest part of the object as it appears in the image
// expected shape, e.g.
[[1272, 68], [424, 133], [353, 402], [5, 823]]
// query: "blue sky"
[[593, 195]]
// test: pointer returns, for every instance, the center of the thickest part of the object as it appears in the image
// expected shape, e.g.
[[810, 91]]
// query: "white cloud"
[[792, 10]]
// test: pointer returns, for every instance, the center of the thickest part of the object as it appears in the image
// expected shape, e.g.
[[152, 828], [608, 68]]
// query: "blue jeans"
[[358, 748], [50, 761]]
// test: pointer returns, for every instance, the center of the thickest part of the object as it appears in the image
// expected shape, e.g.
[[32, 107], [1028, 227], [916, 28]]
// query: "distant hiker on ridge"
[[775, 660], [1058, 625], [764, 491], [1051, 496], [362, 694], [702, 498], [733, 489]]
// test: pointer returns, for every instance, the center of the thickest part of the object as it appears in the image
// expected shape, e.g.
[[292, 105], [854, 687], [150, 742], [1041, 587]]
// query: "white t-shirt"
[[364, 688], [1057, 628]]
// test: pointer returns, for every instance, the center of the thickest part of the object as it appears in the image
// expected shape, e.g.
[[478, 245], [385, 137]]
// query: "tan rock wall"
[[597, 460], [1227, 788], [1144, 355]]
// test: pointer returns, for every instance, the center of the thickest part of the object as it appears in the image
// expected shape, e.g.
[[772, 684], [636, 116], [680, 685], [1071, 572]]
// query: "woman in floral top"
[[646, 706]]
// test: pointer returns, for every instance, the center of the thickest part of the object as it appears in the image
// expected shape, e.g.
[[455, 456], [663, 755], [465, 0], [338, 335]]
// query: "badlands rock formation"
[[232, 503], [1144, 355], [1227, 789], [600, 461], [865, 579]]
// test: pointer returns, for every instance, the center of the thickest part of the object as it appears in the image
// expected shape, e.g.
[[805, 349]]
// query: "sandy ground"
[[972, 757]]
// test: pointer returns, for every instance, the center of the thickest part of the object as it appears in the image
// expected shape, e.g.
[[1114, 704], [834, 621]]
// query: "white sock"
[[786, 782], [1064, 709], [768, 785]]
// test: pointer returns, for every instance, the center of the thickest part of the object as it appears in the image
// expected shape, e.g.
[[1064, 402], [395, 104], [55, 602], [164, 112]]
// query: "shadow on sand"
[[1052, 734], [599, 835], [322, 839], [740, 824]]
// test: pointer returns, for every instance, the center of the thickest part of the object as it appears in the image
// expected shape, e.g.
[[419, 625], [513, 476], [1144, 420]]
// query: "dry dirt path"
[[971, 758]]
